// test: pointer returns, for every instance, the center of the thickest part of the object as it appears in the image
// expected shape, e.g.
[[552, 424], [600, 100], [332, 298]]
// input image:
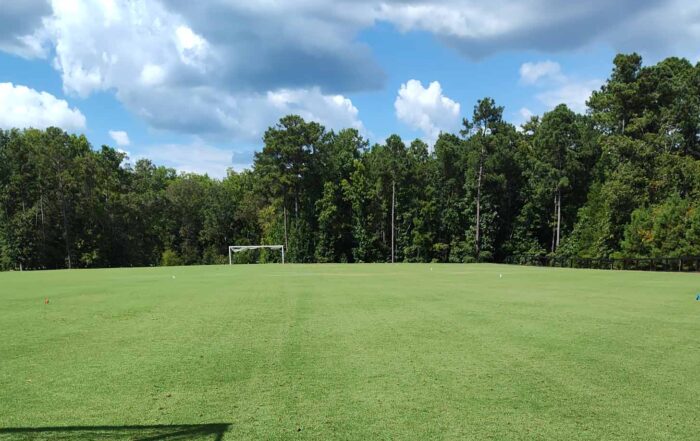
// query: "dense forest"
[[623, 180]]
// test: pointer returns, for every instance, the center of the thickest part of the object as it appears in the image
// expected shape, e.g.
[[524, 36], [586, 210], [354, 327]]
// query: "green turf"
[[362, 352]]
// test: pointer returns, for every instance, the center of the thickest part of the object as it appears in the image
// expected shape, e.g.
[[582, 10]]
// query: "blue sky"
[[193, 85]]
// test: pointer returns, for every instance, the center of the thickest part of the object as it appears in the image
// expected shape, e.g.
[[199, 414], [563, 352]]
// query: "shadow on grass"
[[203, 432]]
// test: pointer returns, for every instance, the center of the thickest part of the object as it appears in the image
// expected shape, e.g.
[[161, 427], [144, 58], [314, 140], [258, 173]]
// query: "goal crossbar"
[[238, 248]]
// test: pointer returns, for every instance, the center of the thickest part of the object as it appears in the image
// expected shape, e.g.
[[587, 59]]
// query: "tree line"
[[622, 180]]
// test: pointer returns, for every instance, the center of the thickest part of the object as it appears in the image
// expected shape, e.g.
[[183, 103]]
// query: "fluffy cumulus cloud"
[[427, 109], [23, 107], [184, 69], [120, 137], [133, 46]]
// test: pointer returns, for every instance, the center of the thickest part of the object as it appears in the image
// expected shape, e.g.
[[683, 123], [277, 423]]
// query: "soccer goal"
[[238, 248]]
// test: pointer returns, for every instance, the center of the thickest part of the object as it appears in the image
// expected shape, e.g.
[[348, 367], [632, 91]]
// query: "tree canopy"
[[622, 180]]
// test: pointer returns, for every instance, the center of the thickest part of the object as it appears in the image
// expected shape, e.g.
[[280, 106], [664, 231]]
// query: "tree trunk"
[[286, 243], [477, 244], [65, 230], [554, 227], [64, 211], [393, 207], [43, 226], [41, 210], [558, 217]]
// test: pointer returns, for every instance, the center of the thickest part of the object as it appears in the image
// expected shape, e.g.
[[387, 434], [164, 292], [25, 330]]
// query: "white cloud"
[[152, 75], [21, 31], [469, 20], [336, 111], [23, 107], [557, 87], [191, 47], [195, 157], [167, 71], [106, 45], [477, 28], [203, 67], [240, 117], [427, 109], [525, 115], [521, 117], [120, 137], [531, 73], [271, 34], [573, 93]]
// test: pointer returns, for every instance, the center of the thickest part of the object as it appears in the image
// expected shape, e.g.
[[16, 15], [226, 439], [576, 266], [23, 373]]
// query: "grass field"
[[363, 352]]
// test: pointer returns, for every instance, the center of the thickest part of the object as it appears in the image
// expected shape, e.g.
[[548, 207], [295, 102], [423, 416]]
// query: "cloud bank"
[[229, 68]]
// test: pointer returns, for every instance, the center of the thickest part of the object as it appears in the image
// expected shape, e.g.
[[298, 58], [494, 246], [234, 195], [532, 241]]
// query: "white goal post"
[[238, 248]]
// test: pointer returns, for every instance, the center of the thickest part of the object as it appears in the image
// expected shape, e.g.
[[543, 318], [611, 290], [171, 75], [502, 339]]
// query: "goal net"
[[239, 248]]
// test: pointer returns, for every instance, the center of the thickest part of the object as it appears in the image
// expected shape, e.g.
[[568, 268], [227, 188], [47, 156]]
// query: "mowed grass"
[[353, 352]]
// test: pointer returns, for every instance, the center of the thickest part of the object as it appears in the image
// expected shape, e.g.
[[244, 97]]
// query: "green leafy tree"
[[492, 178]]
